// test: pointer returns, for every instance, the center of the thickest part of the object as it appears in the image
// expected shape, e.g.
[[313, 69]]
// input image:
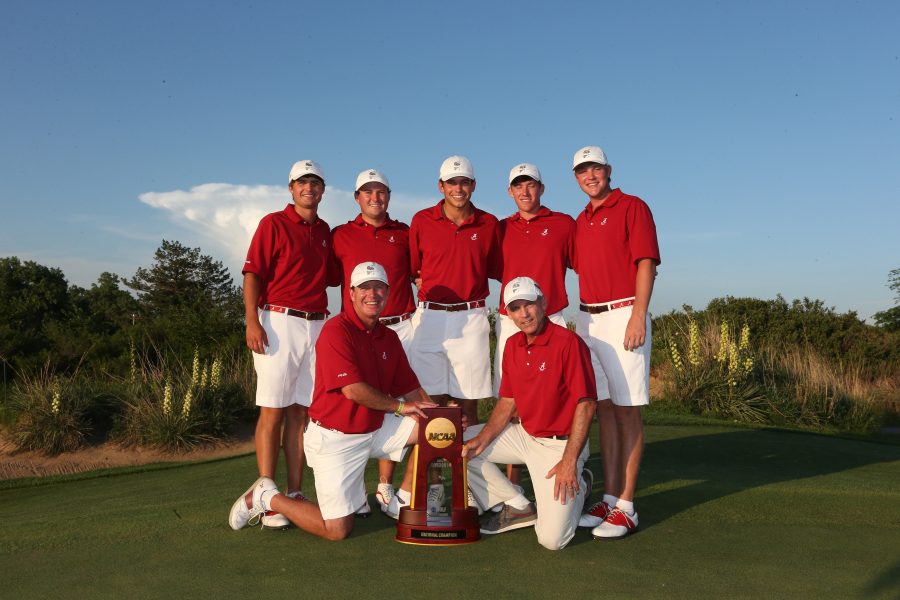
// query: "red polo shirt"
[[388, 245], [608, 243], [293, 261], [542, 248], [348, 353], [454, 262], [547, 378]]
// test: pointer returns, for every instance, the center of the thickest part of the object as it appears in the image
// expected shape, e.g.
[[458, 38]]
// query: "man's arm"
[[499, 419], [256, 335], [368, 396], [565, 470], [636, 330]]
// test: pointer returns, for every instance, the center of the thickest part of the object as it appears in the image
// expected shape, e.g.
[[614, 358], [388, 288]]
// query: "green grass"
[[725, 512]]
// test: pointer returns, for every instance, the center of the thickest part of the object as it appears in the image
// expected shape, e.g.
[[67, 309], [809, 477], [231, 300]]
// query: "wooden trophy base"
[[419, 528]]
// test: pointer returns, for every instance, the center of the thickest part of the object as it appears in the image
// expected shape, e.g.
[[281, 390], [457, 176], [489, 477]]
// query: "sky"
[[765, 136]]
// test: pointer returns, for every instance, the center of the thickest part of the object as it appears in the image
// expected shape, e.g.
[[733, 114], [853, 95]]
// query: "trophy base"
[[419, 528]]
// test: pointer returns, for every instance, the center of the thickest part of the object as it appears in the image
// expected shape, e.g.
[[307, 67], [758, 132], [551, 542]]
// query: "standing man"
[[548, 380], [374, 236], [365, 397], [454, 249], [285, 276], [616, 254], [538, 243]]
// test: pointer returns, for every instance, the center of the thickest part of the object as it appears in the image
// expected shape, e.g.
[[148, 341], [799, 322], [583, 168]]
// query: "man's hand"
[[474, 447], [566, 485], [635, 332], [413, 408], [256, 337]]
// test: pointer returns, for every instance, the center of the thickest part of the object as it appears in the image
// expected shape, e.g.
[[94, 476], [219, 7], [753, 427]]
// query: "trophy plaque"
[[439, 449]]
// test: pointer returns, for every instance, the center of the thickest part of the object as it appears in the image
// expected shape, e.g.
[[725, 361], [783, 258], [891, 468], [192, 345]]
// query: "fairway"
[[725, 512]]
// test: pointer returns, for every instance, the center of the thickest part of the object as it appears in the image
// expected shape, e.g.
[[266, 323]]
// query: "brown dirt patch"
[[15, 464]]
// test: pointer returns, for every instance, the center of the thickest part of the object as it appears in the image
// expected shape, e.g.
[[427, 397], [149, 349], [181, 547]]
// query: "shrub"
[[50, 413]]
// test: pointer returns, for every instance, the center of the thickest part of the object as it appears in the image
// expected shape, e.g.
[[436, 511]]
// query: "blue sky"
[[765, 136]]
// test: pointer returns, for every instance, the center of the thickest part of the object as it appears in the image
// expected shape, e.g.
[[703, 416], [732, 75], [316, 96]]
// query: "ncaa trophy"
[[440, 443]]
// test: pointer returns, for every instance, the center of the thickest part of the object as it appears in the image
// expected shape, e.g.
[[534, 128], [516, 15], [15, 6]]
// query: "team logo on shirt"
[[543, 366], [391, 239], [474, 236], [324, 245], [545, 232], [384, 356], [603, 222], [342, 374]]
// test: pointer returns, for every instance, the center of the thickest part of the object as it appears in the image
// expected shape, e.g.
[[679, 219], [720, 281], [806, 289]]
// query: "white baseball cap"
[[306, 167], [521, 288], [457, 166], [367, 271], [525, 170], [370, 175], [592, 154]]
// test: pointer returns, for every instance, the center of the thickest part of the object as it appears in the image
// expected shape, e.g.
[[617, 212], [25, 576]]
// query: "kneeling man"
[[548, 380], [355, 415]]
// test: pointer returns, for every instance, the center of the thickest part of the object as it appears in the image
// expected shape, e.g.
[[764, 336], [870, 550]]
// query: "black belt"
[[394, 320], [602, 308], [454, 307], [309, 316]]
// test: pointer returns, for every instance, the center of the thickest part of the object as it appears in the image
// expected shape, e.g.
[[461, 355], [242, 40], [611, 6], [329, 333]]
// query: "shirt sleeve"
[[642, 232], [259, 255], [415, 255]]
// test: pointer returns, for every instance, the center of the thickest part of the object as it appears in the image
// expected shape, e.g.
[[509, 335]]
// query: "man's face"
[[368, 299], [373, 199], [593, 178], [527, 194], [457, 191], [528, 315], [307, 191]]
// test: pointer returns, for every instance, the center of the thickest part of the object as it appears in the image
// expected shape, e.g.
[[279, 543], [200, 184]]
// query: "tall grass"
[[715, 368]]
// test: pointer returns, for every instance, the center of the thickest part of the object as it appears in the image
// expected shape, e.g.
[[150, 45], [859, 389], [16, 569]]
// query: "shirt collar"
[[291, 213], [437, 213], [541, 339], [350, 315], [389, 222], [611, 200], [542, 212]]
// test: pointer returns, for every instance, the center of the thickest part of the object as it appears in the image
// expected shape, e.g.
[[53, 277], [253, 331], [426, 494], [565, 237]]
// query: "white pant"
[[556, 523], [450, 352], [404, 331], [284, 374], [338, 461], [505, 328], [622, 376]]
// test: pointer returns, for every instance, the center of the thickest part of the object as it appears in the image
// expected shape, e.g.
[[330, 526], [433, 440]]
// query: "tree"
[[32, 297], [187, 299], [890, 319]]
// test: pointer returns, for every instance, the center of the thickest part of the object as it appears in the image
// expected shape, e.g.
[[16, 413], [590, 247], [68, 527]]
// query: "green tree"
[[186, 299], [32, 296], [890, 319], [98, 323]]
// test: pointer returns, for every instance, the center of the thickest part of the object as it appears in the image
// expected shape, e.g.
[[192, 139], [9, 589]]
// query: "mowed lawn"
[[725, 512]]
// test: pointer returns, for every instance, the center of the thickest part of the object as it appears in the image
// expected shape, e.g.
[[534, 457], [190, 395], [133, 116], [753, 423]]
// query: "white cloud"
[[227, 214]]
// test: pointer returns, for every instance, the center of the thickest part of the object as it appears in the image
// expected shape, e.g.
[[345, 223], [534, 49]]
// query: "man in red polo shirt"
[[549, 382], [616, 254], [365, 397], [538, 243], [454, 249], [285, 276], [374, 236]]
